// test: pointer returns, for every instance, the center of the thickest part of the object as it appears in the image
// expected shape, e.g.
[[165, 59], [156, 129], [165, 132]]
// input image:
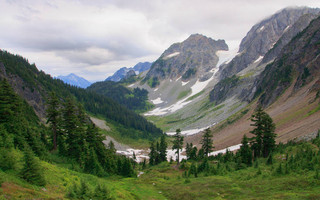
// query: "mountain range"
[[125, 72], [201, 83], [75, 80]]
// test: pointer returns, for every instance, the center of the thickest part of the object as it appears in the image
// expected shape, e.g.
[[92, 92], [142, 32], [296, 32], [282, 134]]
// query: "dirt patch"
[[100, 123]]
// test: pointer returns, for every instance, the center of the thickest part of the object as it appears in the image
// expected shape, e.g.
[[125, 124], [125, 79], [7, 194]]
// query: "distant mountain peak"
[[123, 72], [73, 79]]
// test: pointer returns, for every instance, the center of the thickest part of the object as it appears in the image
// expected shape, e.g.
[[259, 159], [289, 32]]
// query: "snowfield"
[[172, 55], [226, 56], [196, 88], [191, 131], [157, 101], [258, 60]]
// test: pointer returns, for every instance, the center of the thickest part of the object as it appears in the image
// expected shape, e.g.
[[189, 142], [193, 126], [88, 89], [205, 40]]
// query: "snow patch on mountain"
[[172, 55], [157, 101], [226, 56]]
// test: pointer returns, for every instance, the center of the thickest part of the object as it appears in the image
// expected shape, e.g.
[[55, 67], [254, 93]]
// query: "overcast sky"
[[94, 38]]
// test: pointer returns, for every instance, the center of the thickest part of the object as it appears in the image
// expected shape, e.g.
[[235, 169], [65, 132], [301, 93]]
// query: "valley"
[[202, 121]]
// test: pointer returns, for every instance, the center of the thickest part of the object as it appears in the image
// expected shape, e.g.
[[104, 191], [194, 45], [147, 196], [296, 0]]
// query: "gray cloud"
[[95, 38]]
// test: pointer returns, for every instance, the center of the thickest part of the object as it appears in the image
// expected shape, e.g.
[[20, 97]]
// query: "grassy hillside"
[[293, 174]]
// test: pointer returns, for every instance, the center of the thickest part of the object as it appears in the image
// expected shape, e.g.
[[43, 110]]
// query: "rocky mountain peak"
[[194, 57], [263, 36]]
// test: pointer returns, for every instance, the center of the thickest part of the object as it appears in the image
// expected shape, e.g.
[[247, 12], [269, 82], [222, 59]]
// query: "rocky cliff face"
[[194, 57], [263, 36]]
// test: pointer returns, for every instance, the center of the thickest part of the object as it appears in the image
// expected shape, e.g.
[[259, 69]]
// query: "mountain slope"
[[75, 80], [289, 90], [262, 36], [34, 86], [134, 99]]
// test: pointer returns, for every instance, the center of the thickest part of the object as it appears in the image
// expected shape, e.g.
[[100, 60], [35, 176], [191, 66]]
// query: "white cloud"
[[95, 38]]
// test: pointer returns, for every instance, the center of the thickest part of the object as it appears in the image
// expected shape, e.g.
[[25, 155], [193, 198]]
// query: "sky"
[[94, 38]]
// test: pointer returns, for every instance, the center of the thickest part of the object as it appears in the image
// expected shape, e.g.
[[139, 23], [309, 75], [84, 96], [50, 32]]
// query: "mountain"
[[263, 36], [75, 80], [194, 57], [288, 88], [125, 72]]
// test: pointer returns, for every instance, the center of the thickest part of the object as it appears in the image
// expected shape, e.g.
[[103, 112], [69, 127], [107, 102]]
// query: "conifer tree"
[[152, 154], [264, 140], [207, 143], [257, 131], [245, 151], [178, 144], [32, 171], [53, 115], [163, 148]]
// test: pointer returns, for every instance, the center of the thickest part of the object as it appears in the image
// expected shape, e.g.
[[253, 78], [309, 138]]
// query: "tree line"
[[262, 144]]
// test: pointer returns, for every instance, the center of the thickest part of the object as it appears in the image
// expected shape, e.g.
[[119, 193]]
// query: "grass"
[[195, 96], [183, 94], [316, 109]]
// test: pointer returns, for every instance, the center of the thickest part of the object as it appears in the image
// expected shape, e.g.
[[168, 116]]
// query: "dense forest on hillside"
[[134, 99], [93, 103]]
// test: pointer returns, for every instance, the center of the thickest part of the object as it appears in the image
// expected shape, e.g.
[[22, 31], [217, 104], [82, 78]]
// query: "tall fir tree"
[[263, 143], [245, 151], [163, 148], [178, 144], [53, 115], [152, 154], [31, 170], [207, 142], [256, 143]]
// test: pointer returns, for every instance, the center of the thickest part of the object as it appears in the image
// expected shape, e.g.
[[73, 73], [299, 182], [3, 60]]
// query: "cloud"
[[95, 38]]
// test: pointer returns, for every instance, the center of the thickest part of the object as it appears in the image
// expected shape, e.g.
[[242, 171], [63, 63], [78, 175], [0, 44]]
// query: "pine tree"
[[245, 151], [269, 136], [32, 171], [257, 131], [8, 102], [207, 143], [163, 148], [101, 192], [177, 144], [53, 115], [152, 154], [92, 164], [264, 140]]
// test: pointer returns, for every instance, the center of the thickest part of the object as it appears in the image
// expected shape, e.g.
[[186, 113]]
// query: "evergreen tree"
[[191, 151], [207, 143], [32, 171], [163, 148], [264, 140], [92, 164], [269, 136], [257, 131], [101, 192], [245, 151], [53, 115], [178, 144], [8, 102], [111, 147], [152, 154]]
